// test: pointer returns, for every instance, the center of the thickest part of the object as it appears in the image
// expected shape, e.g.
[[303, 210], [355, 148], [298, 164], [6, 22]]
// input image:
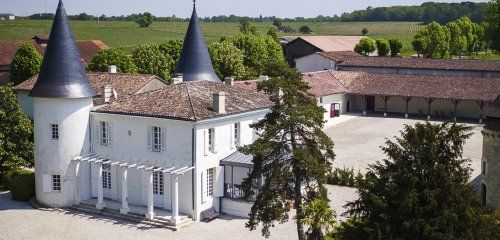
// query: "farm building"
[[87, 48], [7, 16], [348, 61], [307, 45]]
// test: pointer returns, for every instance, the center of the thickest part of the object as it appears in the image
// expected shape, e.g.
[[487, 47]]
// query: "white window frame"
[[237, 134], [56, 183], [106, 176], [210, 182], [54, 131], [211, 140], [158, 183], [156, 139], [104, 133]]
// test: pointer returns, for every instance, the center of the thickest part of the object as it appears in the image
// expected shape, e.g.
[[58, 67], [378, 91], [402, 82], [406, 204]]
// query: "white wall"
[[54, 156], [313, 63], [206, 159], [26, 102], [237, 208], [327, 101]]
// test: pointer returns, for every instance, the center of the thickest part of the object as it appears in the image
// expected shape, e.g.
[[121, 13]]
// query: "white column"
[[175, 200], [100, 196], [124, 209], [150, 214], [77, 191]]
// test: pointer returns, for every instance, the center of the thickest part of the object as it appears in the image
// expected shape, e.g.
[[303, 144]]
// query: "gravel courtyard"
[[357, 144]]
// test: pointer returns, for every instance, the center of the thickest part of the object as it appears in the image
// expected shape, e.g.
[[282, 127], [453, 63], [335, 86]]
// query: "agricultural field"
[[126, 34]]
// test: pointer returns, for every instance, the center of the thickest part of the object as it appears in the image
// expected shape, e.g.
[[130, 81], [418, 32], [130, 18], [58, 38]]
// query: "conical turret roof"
[[62, 74], [195, 63]]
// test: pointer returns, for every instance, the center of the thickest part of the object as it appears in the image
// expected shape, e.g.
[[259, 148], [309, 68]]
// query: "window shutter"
[[110, 133], [214, 145], [149, 137], [204, 186], [205, 141], [232, 137], [219, 181], [47, 182], [98, 132], [163, 138]]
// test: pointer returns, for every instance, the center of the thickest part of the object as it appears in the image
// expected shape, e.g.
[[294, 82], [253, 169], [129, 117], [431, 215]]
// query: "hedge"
[[21, 184]]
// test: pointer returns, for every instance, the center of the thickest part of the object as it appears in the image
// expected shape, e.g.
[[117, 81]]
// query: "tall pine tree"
[[293, 155]]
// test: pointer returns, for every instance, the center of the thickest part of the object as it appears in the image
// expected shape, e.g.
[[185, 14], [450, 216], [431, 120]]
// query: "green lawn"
[[126, 34]]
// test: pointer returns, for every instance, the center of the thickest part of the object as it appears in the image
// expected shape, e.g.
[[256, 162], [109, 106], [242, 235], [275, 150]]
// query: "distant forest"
[[426, 13]]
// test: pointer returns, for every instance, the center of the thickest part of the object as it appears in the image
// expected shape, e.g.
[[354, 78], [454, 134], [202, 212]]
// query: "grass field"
[[126, 34]]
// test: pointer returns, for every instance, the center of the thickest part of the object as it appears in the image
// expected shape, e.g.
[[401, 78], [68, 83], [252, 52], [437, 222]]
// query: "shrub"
[[344, 177], [25, 64], [104, 58], [364, 31], [365, 46], [396, 46], [305, 29], [21, 184], [383, 47]]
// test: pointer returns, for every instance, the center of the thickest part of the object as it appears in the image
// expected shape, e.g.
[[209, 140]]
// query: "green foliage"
[[420, 191], [344, 177], [21, 184], [292, 151], [458, 42], [172, 48], [16, 134], [493, 28], [433, 40], [227, 59], [247, 27], [396, 45], [365, 46], [150, 60], [274, 50], [305, 29], [277, 22], [467, 29], [418, 44], [364, 31], [383, 47], [273, 32], [113, 56], [25, 64], [144, 19], [319, 217]]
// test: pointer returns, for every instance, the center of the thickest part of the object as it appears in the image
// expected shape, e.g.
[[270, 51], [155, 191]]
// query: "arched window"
[[483, 194]]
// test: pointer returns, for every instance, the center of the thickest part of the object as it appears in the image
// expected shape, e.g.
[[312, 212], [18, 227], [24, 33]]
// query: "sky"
[[182, 8]]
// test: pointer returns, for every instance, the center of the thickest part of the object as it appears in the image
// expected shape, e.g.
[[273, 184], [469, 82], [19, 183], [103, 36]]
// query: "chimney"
[[176, 78], [111, 69], [229, 81], [107, 92], [263, 78], [219, 102]]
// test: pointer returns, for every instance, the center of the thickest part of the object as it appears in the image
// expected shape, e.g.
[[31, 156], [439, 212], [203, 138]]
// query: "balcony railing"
[[233, 191]]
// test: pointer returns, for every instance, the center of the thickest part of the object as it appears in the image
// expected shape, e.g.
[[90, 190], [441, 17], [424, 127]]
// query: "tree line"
[[427, 12]]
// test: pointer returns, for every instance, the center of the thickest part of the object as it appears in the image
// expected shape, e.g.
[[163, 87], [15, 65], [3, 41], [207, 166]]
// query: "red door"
[[334, 110]]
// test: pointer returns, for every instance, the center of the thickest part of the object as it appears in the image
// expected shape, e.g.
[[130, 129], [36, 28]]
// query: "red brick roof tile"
[[189, 101]]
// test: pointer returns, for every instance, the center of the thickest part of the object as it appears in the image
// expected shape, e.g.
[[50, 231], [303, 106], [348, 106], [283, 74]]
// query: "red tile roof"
[[412, 63], [493, 110], [88, 48], [123, 83], [443, 87], [321, 84], [189, 101]]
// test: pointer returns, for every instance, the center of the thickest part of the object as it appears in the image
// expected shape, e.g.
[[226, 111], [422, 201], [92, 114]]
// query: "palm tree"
[[319, 217]]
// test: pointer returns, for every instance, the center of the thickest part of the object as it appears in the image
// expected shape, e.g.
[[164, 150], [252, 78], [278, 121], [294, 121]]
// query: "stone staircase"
[[157, 221]]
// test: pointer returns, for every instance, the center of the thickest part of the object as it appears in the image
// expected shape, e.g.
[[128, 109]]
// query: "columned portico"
[[175, 199]]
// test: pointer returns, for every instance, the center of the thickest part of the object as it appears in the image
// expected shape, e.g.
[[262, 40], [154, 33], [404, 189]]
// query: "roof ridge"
[[190, 101]]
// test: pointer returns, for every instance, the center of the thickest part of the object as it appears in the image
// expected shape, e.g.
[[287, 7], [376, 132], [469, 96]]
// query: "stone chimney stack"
[[177, 78], [263, 78], [107, 92], [229, 81], [112, 69], [219, 102]]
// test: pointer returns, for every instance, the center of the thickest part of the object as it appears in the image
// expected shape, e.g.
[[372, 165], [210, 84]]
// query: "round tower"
[[490, 167], [62, 103]]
